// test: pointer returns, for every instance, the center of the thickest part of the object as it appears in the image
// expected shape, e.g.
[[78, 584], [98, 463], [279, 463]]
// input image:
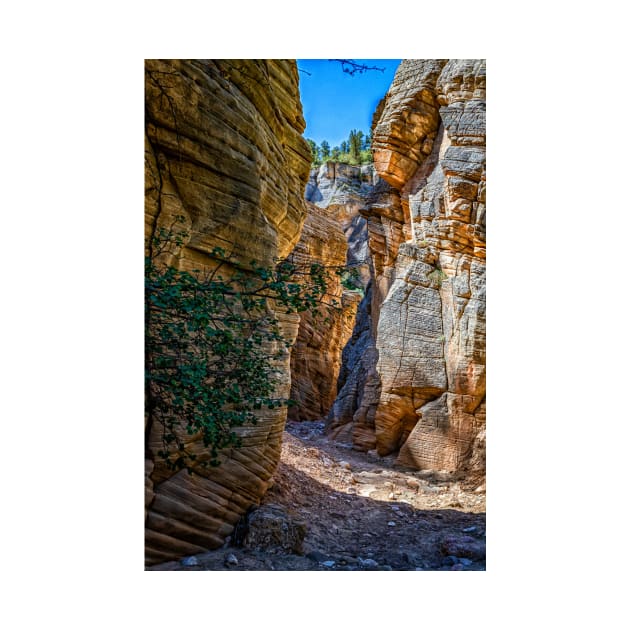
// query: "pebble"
[[463, 546], [345, 465], [365, 491], [395, 508], [231, 560], [443, 476], [465, 561], [368, 562], [469, 530], [391, 524], [329, 563], [317, 556], [191, 561], [391, 495], [413, 483]]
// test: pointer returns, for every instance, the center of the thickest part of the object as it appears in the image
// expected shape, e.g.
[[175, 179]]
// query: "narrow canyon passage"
[[380, 463], [334, 502], [359, 512]]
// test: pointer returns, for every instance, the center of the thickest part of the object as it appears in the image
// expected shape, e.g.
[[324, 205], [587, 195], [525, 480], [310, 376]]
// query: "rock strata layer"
[[334, 235], [424, 342], [223, 149]]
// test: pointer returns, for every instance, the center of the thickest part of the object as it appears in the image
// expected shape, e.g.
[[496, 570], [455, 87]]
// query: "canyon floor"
[[361, 512]]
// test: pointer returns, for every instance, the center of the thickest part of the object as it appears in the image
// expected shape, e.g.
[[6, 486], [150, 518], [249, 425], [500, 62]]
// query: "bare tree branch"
[[351, 67]]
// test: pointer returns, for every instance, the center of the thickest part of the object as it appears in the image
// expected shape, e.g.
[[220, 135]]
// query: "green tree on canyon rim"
[[355, 140], [355, 150], [325, 149], [314, 151]]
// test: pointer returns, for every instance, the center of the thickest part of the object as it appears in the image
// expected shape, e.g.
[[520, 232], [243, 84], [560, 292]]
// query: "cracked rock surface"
[[418, 390]]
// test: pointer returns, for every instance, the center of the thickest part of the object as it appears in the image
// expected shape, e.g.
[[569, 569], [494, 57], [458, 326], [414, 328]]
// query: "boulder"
[[271, 528]]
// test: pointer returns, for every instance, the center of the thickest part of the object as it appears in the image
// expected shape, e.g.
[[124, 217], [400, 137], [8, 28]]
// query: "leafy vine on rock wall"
[[211, 344]]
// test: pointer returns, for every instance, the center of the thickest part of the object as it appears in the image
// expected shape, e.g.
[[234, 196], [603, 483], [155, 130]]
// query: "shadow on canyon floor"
[[360, 513]]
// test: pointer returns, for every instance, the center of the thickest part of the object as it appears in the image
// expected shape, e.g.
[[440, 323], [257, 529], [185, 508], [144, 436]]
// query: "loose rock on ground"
[[313, 519]]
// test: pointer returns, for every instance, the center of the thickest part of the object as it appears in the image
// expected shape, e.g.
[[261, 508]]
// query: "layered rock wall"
[[334, 235], [351, 418], [316, 354], [427, 243], [223, 149]]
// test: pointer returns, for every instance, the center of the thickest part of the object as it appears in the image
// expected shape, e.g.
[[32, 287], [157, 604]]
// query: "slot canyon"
[[379, 462]]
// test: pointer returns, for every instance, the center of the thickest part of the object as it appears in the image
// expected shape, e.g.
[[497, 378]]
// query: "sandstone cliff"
[[421, 364], [223, 148], [334, 235]]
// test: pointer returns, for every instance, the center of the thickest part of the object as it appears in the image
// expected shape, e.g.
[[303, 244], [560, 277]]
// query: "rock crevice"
[[335, 236]]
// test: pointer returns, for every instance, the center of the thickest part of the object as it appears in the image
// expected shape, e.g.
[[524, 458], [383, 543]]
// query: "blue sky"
[[335, 102]]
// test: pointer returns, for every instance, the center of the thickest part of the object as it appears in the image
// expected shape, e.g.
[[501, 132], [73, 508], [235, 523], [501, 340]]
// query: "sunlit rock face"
[[408, 122], [334, 235], [426, 226], [223, 149]]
